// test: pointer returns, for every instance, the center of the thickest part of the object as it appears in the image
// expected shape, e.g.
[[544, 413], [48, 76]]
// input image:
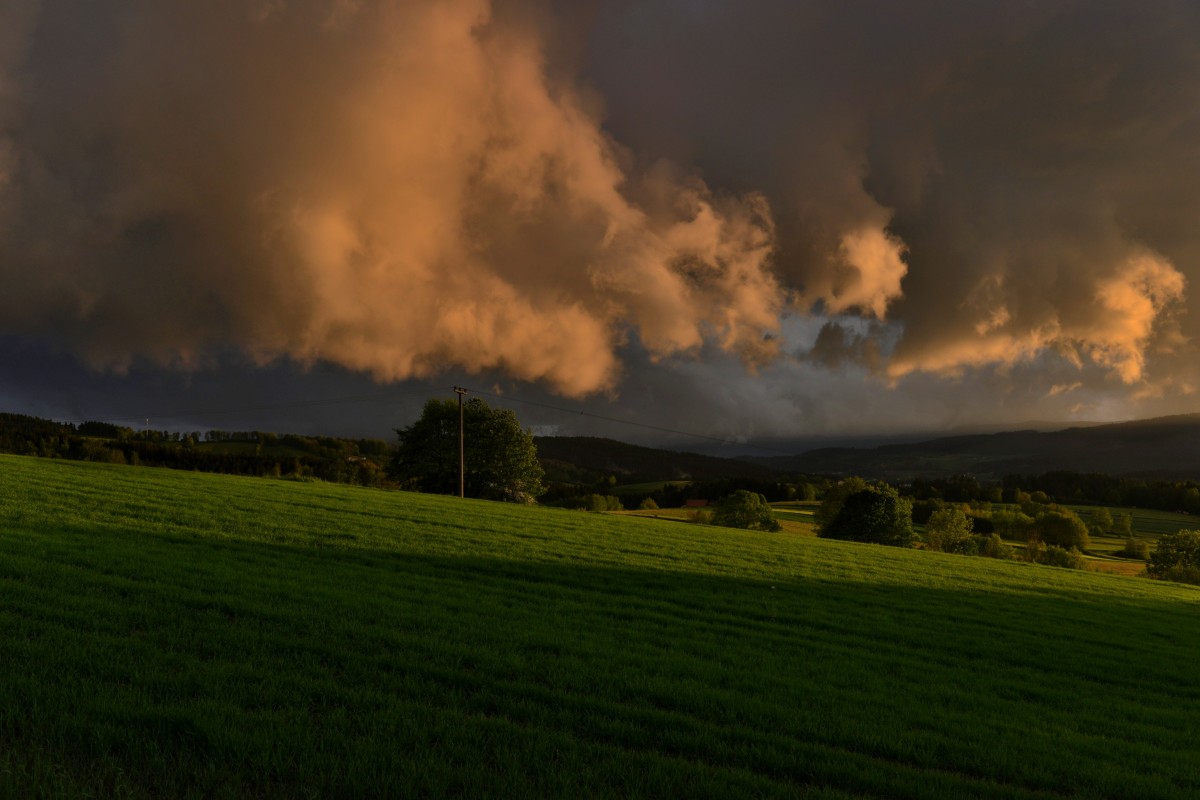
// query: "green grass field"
[[171, 634]]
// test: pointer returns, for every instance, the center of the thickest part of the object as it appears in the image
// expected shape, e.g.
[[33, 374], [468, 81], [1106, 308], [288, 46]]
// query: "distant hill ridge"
[[1161, 447], [1157, 448], [587, 459]]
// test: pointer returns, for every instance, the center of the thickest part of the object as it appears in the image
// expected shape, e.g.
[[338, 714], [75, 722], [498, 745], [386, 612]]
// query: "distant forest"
[[355, 461]]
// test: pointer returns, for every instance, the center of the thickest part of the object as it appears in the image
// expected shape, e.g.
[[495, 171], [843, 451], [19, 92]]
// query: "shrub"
[[1056, 556], [923, 510], [700, 516], [1180, 574], [1062, 528], [1035, 551], [745, 509], [831, 505], [1032, 509], [981, 522], [600, 503], [1176, 558], [949, 530], [1101, 521], [993, 546], [876, 514], [1012, 524], [648, 504], [1134, 549]]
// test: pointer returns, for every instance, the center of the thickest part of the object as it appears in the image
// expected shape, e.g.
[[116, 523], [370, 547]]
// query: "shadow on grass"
[[177, 665]]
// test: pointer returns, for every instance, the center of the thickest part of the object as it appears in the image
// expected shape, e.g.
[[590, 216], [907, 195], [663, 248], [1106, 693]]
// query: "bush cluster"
[[604, 502], [875, 513], [745, 509], [1177, 558], [1134, 549]]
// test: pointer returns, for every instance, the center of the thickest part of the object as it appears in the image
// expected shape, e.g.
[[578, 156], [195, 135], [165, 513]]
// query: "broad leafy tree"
[[949, 530], [1012, 524], [501, 459], [744, 509], [1176, 558], [1101, 521], [1062, 528], [831, 504], [876, 514]]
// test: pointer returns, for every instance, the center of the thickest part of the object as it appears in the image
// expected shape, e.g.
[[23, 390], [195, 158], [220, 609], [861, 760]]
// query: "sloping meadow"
[[179, 634]]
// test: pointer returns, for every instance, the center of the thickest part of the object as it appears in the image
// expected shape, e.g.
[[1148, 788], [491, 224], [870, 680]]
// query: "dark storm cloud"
[[395, 187], [998, 180], [581, 194]]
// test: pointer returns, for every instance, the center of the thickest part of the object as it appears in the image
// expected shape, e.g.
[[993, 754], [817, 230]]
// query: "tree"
[[501, 458], [1056, 556], [1012, 524], [1062, 528], [834, 497], [1101, 521], [1134, 549], [1123, 525], [875, 514], [745, 509], [1177, 557], [949, 530], [994, 547]]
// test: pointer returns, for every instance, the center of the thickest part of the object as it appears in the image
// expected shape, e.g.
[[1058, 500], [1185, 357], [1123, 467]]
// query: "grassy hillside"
[[176, 634]]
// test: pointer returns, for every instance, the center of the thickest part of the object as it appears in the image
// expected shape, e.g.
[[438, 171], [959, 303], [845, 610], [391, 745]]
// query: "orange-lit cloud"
[[872, 267], [395, 187], [403, 188], [1113, 331], [1063, 388]]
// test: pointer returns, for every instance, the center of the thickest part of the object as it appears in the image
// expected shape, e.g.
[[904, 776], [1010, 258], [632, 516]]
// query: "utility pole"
[[462, 461]]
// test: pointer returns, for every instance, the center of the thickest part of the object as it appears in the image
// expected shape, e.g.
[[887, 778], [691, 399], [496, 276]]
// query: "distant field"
[[1148, 522], [173, 634], [645, 488], [792, 522]]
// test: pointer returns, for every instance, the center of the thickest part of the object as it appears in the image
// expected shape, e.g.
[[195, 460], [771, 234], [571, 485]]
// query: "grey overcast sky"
[[757, 221]]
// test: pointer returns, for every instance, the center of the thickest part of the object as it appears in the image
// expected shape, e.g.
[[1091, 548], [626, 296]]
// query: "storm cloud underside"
[[403, 188]]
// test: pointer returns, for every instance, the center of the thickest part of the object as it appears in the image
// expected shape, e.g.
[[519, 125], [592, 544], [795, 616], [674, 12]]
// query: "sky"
[[760, 222]]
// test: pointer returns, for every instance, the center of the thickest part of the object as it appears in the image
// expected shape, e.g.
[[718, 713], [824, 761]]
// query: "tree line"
[[1065, 487], [354, 461], [503, 463]]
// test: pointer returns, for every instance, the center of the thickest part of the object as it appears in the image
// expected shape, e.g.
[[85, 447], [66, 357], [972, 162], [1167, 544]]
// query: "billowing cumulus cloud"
[[940, 192], [1111, 324], [396, 187], [1001, 184]]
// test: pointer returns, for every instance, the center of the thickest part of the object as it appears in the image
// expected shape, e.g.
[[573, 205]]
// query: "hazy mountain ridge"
[[587, 459], [1162, 447]]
